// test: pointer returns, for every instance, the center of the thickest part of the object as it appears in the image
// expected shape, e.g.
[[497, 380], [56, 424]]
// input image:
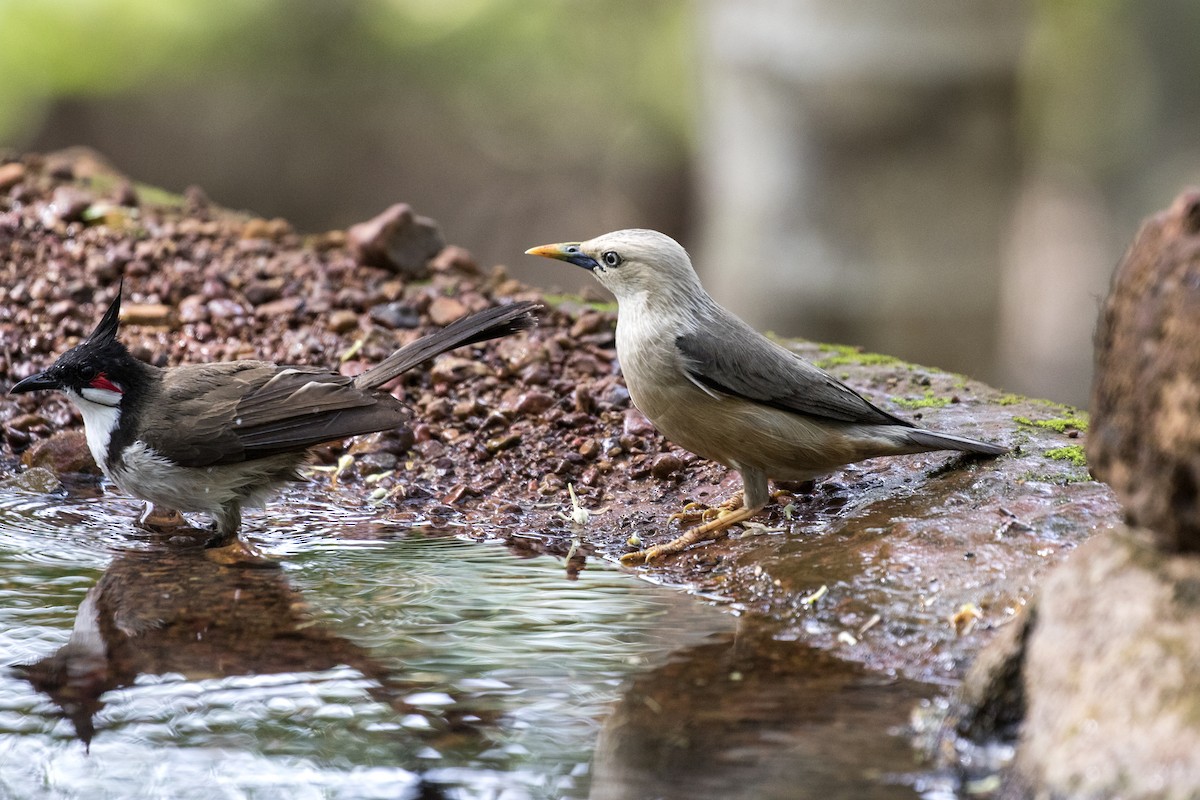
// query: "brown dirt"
[[901, 544]]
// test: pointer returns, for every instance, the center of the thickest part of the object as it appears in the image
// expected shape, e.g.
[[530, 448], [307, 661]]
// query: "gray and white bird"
[[712, 384], [215, 438]]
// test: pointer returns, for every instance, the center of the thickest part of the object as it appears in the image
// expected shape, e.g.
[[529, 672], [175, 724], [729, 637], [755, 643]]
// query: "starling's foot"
[[725, 519], [160, 519], [694, 513], [236, 553]]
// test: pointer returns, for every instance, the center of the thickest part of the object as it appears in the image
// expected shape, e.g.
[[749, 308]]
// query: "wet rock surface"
[[872, 562], [1095, 687], [1146, 399]]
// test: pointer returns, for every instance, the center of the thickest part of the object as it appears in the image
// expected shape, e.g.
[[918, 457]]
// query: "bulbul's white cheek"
[[105, 397]]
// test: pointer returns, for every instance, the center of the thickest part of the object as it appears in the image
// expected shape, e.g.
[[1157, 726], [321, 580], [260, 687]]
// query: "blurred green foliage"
[[57, 48], [494, 61]]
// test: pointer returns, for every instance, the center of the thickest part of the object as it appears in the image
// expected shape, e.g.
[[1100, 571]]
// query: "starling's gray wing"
[[243, 410], [726, 356]]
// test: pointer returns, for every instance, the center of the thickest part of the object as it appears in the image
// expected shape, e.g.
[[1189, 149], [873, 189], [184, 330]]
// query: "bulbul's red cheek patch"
[[101, 381]]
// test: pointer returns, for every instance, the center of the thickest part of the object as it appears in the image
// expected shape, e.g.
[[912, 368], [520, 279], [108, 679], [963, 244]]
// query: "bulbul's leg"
[[225, 525], [752, 499], [224, 547], [160, 518]]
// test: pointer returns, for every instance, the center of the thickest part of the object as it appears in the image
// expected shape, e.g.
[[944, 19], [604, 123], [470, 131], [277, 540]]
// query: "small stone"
[[583, 400], [63, 452], [375, 462], [666, 465], [452, 369], [60, 310], [454, 258], [430, 449], [259, 292], [395, 315], [192, 309], [152, 314], [466, 408], [284, 308], [11, 174], [444, 310], [616, 397], [397, 240], [636, 424], [438, 408], [588, 322], [400, 440], [518, 352], [343, 321], [37, 480], [68, 203], [589, 449], [536, 375], [26, 422], [533, 403], [256, 228], [505, 442], [582, 363], [550, 484], [224, 308]]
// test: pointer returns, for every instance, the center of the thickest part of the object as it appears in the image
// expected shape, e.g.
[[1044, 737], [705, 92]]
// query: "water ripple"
[[378, 660]]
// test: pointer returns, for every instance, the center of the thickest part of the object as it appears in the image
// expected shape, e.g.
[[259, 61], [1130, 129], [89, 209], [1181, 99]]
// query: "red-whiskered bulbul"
[[217, 437]]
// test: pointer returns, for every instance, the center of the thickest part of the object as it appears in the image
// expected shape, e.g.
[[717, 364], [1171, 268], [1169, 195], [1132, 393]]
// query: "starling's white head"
[[632, 262]]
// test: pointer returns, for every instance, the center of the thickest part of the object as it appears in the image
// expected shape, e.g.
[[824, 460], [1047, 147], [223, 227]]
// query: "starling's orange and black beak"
[[566, 251]]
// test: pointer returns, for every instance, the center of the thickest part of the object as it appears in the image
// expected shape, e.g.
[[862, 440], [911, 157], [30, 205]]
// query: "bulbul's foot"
[[725, 519], [693, 513], [237, 553]]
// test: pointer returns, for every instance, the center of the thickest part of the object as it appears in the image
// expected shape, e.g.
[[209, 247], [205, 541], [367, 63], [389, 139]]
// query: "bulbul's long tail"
[[491, 323]]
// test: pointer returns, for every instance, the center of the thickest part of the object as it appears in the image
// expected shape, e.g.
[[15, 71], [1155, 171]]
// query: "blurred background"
[[949, 181]]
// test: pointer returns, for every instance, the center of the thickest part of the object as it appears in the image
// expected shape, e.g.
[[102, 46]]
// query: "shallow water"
[[380, 662]]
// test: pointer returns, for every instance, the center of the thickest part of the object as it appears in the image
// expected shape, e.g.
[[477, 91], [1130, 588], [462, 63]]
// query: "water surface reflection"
[[384, 663]]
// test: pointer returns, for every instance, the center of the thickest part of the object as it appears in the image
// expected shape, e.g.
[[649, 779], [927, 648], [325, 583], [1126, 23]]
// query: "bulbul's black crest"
[[106, 329]]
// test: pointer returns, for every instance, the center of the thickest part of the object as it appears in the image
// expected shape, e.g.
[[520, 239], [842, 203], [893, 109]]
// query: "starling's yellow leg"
[[698, 512], [755, 494], [709, 530]]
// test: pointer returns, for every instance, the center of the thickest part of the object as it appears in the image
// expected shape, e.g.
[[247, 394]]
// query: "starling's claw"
[[694, 513], [728, 514], [691, 514]]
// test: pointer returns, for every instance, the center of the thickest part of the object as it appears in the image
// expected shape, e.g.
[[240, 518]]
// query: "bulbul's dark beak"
[[567, 251], [33, 383]]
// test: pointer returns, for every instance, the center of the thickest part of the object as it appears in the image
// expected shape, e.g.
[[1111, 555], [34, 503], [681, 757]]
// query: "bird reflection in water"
[[173, 610], [750, 715]]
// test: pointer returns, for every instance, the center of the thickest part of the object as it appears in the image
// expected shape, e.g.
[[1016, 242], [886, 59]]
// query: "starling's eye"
[[611, 259]]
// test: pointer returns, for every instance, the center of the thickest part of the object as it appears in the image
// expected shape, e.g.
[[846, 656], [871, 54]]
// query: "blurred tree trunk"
[[858, 166]]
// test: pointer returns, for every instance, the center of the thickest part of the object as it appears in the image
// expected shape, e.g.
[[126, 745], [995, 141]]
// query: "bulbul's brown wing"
[[212, 414]]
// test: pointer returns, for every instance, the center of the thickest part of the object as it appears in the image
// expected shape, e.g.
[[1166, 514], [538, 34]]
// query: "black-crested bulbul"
[[215, 438]]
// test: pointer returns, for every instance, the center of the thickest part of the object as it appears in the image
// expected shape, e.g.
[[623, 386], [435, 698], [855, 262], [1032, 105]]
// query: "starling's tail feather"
[[491, 323], [948, 441]]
